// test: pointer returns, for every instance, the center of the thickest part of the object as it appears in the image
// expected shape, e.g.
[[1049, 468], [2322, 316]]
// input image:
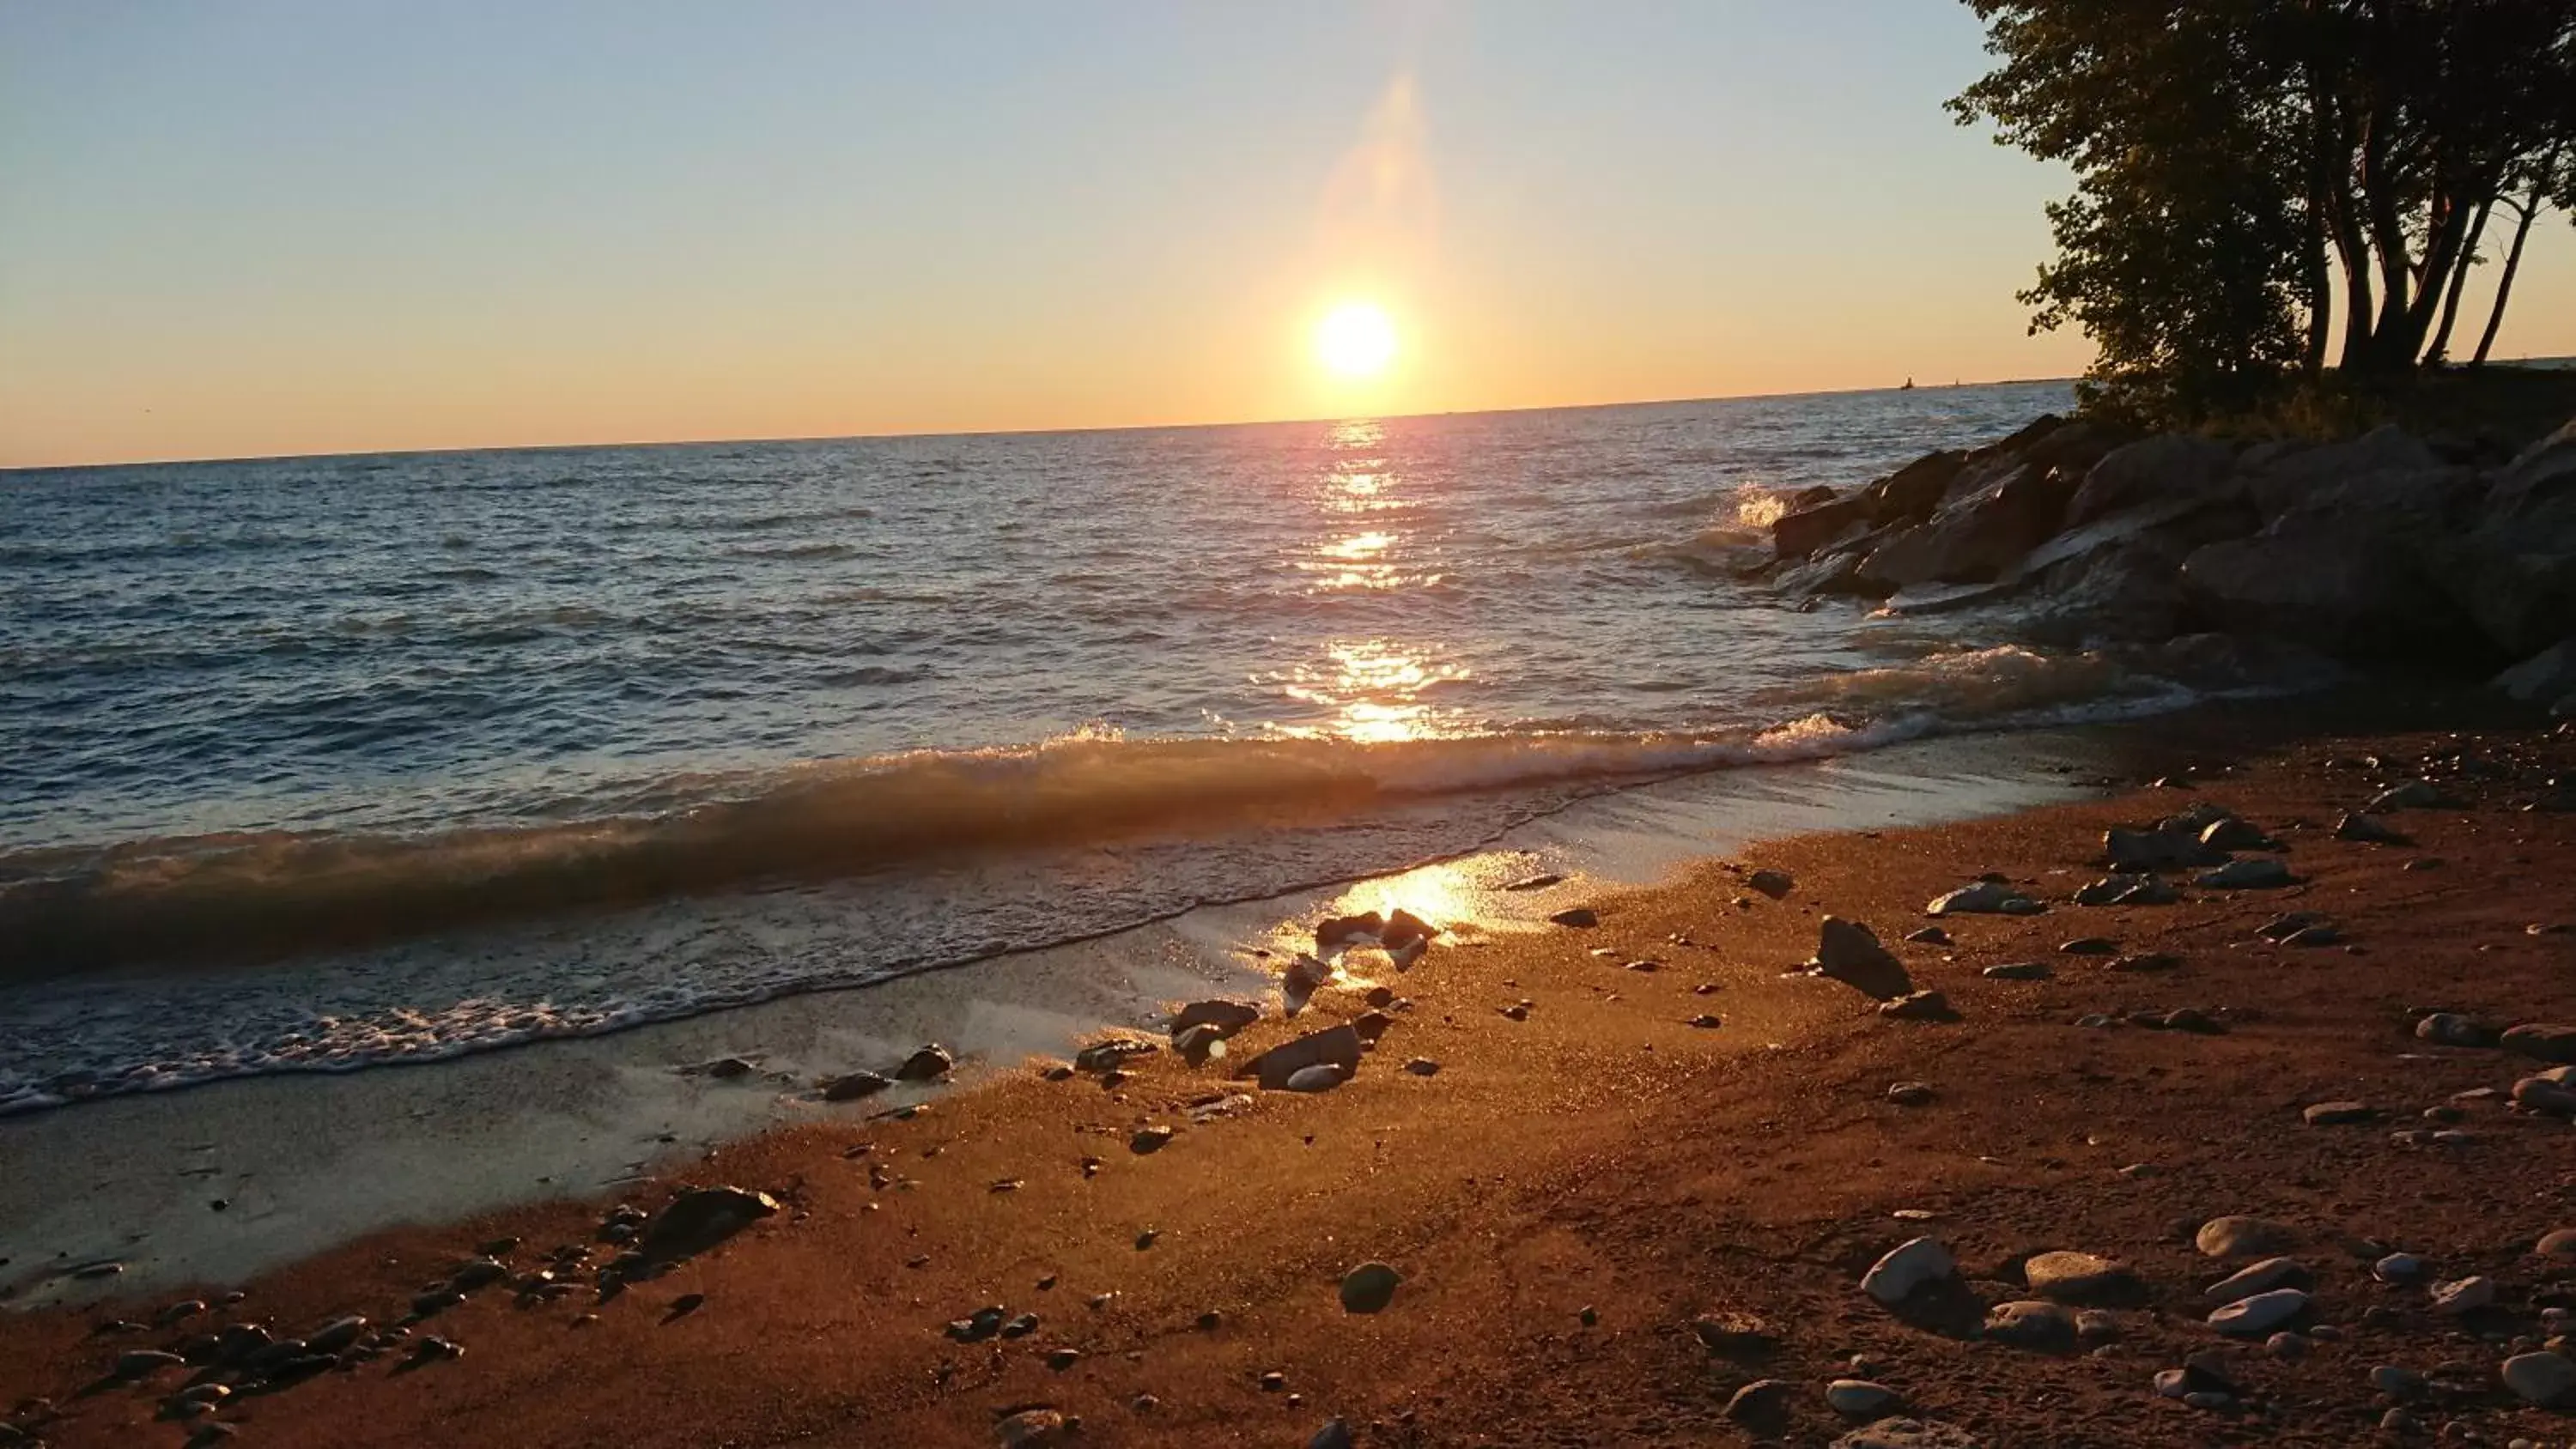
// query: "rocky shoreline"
[[2380, 550], [2067, 1131]]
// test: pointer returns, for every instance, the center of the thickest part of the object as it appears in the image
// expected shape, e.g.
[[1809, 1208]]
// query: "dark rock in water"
[[1976, 538], [2542, 1041], [1773, 883], [1911, 493], [1762, 1404], [1848, 952], [1100, 1056], [926, 1065], [700, 1218], [1919, 1006], [2247, 875], [1836, 574], [2141, 851], [1334, 931], [1369, 1288], [2367, 830], [1797, 534], [1403, 928], [1580, 917], [1228, 1017], [1339, 1046], [852, 1087]]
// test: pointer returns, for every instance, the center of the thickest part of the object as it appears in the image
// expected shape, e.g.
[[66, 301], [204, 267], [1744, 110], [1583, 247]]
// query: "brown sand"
[[1601, 1154]]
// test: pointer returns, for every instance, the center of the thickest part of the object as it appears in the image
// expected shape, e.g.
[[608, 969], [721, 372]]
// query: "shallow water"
[[315, 764]]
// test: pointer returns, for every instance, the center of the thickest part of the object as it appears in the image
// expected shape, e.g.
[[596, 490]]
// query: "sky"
[[239, 228]]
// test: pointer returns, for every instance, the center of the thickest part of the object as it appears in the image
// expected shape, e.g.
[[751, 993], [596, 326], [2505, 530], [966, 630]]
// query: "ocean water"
[[322, 763]]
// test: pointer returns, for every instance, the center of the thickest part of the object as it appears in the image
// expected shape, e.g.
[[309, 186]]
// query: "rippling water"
[[369, 757]]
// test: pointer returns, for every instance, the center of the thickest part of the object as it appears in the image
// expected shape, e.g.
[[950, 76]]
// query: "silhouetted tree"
[[2244, 166]]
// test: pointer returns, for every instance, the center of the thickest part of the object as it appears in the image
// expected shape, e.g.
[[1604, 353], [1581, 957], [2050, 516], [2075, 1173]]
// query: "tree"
[[2250, 173]]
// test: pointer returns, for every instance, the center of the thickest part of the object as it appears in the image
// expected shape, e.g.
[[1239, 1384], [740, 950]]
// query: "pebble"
[[2031, 1324], [1334, 1435], [1929, 936], [2257, 1316], [1423, 1067], [2288, 1347], [2260, 1277], [2545, 1379], [1772, 883], [1321, 1077], [1154, 1139], [2077, 1277], [2247, 875], [1705, 1021], [2090, 946], [2243, 1237], [2020, 971], [1910, 1094], [2464, 1295], [1031, 1428], [2397, 1382], [2560, 1244], [1577, 917], [1862, 1399], [1369, 1288], [1984, 898], [1763, 1401], [1907, 1269], [1917, 1006], [2399, 1268]]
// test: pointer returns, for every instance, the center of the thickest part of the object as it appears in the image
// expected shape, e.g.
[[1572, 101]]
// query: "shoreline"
[[1602, 1154]]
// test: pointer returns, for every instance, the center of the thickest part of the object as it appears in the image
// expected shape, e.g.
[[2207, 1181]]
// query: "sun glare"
[[1355, 340]]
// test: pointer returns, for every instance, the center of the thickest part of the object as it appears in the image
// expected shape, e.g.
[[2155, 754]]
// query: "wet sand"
[[1572, 1190]]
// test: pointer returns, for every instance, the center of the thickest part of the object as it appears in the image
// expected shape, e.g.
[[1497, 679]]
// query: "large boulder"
[[2543, 470], [2547, 679], [2352, 584], [1798, 534], [2516, 573], [2282, 481], [2163, 470], [1909, 494], [1834, 573], [1979, 537]]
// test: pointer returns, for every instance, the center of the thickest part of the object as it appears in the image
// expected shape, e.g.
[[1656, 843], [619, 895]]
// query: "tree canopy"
[[2256, 178]]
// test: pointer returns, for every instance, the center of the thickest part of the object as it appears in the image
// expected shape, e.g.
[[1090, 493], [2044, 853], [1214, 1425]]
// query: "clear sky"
[[242, 227]]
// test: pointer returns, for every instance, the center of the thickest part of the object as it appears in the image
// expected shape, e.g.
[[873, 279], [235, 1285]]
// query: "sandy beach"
[[1608, 1217]]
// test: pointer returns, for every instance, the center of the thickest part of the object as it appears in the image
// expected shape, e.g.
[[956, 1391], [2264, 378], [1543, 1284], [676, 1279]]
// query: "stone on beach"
[[2338, 1114], [2233, 833], [2365, 829], [1101, 1056], [2464, 1295], [1773, 883], [1321, 1077], [2449, 1028], [2020, 971], [2044, 1327], [2547, 1380], [2413, 795], [1861, 1399], [2541, 1041], [1849, 952], [1762, 1403], [1578, 917], [2138, 852], [1984, 898], [2257, 1316], [1907, 1434], [854, 1085], [926, 1065], [699, 1219], [1031, 1429], [1908, 1269], [1225, 1016], [1338, 1046], [2247, 875], [2255, 1278], [1918, 1006], [2560, 1244], [1369, 1288], [2243, 1237], [2545, 1094], [1334, 1435], [1910, 1094], [2066, 1277]]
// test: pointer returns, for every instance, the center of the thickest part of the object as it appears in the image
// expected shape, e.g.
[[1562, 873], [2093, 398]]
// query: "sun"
[[1355, 340]]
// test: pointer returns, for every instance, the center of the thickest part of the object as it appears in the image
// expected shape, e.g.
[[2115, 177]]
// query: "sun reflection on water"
[[1373, 692]]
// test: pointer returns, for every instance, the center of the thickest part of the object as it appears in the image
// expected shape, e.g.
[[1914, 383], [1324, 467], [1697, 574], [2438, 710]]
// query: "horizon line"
[[862, 437]]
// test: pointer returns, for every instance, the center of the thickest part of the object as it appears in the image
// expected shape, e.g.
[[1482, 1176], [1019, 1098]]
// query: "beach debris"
[[2133, 852], [2463, 1295], [2541, 1041], [1321, 1077], [700, 1218], [1985, 898], [1338, 1045], [2544, 1379], [2247, 875], [1101, 1056], [1919, 1006], [1423, 1067], [2238, 1236], [1537, 882], [2413, 795], [1334, 1435], [854, 1085], [2260, 1277], [1862, 1399], [1910, 1094], [2338, 1114], [1929, 936], [1734, 1335], [1578, 917], [1773, 883], [2070, 1277], [1369, 1287], [2257, 1315], [2020, 971], [928, 1064], [1907, 1269], [2364, 829], [1763, 1403], [1225, 1017], [1849, 952], [2041, 1327]]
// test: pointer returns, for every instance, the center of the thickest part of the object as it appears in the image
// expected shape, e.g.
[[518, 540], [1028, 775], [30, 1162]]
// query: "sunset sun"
[[1355, 340]]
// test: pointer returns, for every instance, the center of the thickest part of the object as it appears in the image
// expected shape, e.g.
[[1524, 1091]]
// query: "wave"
[[268, 894]]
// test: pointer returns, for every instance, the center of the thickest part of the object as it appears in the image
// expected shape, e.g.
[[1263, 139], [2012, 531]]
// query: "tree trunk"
[[2443, 252], [2441, 348], [2504, 283], [2320, 288]]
